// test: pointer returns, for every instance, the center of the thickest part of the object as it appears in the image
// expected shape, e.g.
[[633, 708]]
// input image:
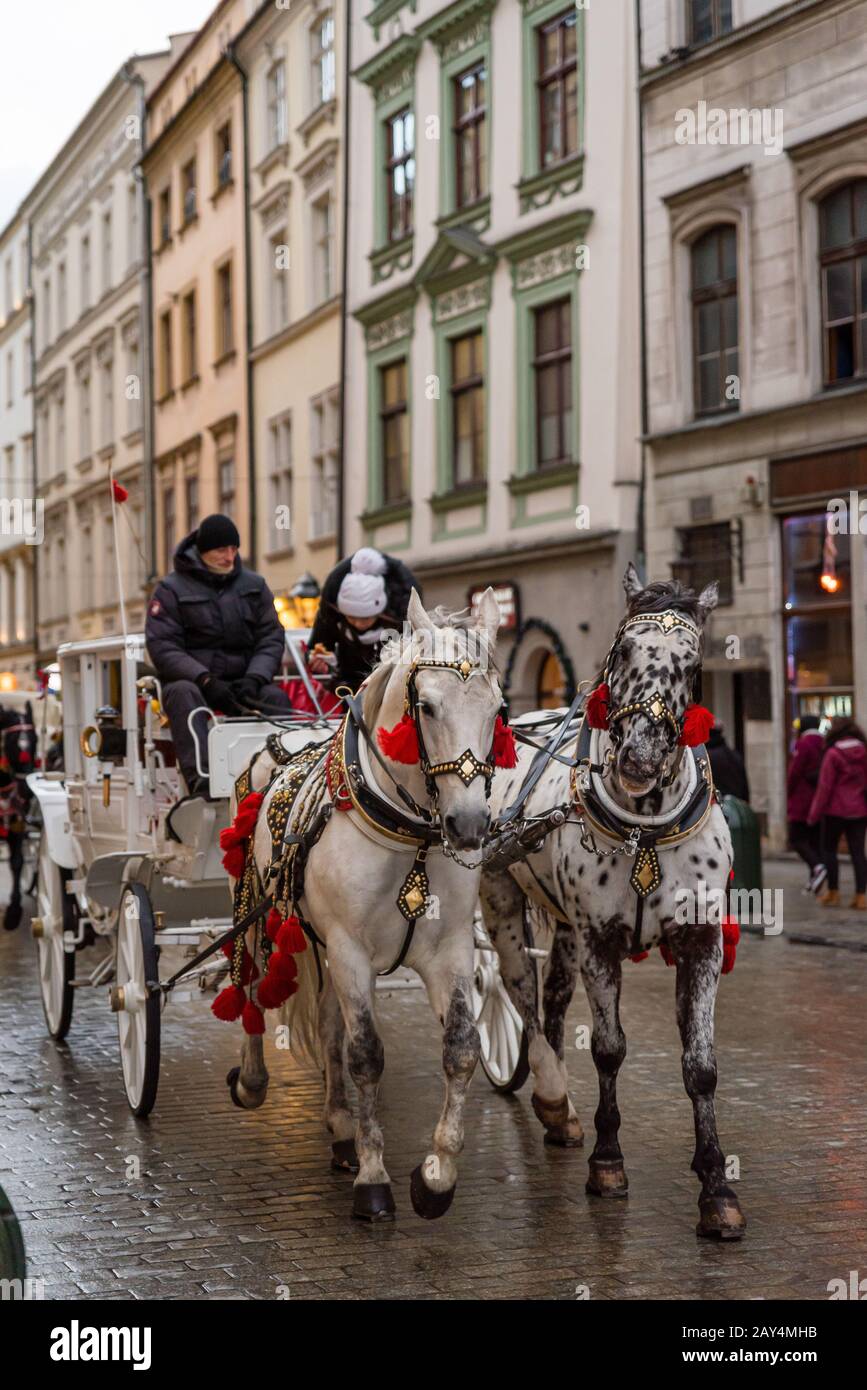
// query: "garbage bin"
[[12, 1264], [746, 843]]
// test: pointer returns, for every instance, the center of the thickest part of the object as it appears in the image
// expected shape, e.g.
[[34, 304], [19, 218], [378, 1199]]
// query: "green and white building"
[[492, 375]]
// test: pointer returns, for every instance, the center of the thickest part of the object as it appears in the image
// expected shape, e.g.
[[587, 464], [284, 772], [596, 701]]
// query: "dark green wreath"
[[539, 625]]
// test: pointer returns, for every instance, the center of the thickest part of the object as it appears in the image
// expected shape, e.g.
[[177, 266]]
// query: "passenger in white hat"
[[363, 598]]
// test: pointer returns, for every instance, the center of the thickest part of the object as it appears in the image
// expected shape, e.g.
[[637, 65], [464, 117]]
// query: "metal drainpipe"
[[344, 258], [248, 293], [147, 354], [641, 520], [34, 468]]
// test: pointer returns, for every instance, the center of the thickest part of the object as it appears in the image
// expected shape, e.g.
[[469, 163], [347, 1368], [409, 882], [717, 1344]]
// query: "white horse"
[[354, 876], [643, 782]]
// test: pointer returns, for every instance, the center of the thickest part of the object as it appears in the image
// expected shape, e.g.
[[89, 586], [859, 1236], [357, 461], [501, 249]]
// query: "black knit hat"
[[216, 531]]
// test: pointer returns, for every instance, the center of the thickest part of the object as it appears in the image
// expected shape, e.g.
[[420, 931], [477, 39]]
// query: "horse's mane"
[[663, 594], [374, 686]]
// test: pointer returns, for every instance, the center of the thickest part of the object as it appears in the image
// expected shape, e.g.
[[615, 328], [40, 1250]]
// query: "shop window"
[[817, 617]]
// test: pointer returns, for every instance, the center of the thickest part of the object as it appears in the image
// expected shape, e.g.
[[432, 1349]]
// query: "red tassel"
[[252, 1018], [248, 813], [272, 924], [229, 1004], [697, 724], [120, 492], [666, 952], [731, 934], [639, 955], [233, 860], [596, 709], [505, 749], [24, 755], [400, 743], [282, 966], [273, 991], [290, 938], [249, 969]]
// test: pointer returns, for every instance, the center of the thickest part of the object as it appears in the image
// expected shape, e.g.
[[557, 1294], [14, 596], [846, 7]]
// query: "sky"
[[58, 55]]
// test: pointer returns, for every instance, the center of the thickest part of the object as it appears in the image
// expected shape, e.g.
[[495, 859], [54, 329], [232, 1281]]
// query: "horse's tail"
[[301, 1012]]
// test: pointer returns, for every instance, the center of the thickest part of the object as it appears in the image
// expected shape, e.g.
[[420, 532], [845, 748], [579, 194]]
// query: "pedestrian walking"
[[727, 765], [840, 802], [806, 839], [364, 597]]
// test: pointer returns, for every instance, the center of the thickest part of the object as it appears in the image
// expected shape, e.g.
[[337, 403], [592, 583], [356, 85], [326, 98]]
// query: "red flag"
[[120, 492]]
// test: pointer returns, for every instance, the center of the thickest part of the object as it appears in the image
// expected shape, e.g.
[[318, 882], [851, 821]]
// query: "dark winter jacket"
[[842, 789], [199, 622], [804, 774], [356, 659], [727, 765]]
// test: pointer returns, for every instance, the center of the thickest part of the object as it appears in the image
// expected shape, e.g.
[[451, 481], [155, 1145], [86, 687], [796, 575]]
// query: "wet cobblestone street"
[[243, 1205]]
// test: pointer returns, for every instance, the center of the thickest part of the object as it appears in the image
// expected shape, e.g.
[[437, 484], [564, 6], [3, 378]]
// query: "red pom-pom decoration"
[[282, 966], [400, 743], [272, 924], [273, 991], [290, 938], [596, 709], [252, 1018], [731, 934], [697, 724], [666, 952], [24, 755], [639, 956], [505, 749], [233, 860], [229, 1004]]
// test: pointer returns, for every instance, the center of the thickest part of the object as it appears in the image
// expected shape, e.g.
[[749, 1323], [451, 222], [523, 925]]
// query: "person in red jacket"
[[803, 778], [841, 799]]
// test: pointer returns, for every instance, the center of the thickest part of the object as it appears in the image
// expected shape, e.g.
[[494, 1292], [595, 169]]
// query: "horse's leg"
[[557, 992], [698, 970], [337, 1114], [503, 912], [353, 980], [248, 1083], [601, 976], [12, 915], [448, 978]]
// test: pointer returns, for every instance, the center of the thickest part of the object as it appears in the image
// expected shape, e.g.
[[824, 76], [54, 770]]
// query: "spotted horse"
[[642, 832]]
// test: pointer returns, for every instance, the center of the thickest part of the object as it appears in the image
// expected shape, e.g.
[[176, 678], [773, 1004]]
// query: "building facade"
[[755, 132], [88, 270], [293, 58], [17, 648], [492, 316]]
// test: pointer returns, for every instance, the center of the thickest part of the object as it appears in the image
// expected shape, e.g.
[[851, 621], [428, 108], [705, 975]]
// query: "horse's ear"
[[631, 583], [708, 600], [489, 618], [417, 615]]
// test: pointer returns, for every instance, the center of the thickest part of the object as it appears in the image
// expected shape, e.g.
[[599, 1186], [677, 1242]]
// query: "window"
[[10, 378], [188, 190], [106, 252], [84, 416], [323, 489], [715, 320], [132, 253], [394, 432], [706, 555], [164, 212], [9, 296], [225, 325], [189, 342], [323, 240], [61, 297], [60, 435], [817, 588], [107, 392], [61, 606], [470, 154], [85, 273], [133, 385], [278, 296], [85, 568], [191, 498], [169, 524], [226, 477], [843, 258], [277, 106], [468, 409], [165, 354], [46, 312], [322, 60], [224, 155], [400, 172], [707, 19], [280, 476], [558, 88], [552, 382]]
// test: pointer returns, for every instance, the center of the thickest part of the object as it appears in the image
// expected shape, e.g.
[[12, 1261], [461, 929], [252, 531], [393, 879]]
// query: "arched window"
[[715, 321], [843, 259]]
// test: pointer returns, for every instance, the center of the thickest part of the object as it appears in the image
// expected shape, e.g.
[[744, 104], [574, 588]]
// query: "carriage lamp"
[[305, 593], [106, 738], [8, 681]]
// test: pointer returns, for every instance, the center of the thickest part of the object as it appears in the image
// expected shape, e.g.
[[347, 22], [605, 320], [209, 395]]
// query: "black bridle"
[[466, 766], [654, 707]]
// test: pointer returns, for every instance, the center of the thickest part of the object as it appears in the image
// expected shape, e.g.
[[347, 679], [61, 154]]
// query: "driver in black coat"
[[214, 638]]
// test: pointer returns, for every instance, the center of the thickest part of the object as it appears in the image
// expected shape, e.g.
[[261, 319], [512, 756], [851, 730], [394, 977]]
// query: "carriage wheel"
[[137, 1007], [56, 916], [501, 1030]]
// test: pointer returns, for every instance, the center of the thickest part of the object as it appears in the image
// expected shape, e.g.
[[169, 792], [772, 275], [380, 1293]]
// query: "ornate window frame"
[[538, 186], [388, 332], [391, 78]]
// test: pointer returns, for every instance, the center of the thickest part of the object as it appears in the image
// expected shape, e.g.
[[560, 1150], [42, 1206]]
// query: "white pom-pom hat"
[[362, 593]]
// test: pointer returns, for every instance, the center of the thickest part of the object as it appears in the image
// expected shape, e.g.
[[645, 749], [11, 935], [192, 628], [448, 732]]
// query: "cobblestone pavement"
[[240, 1205]]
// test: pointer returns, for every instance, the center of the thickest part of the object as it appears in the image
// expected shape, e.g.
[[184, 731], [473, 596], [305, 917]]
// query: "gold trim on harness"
[[402, 837]]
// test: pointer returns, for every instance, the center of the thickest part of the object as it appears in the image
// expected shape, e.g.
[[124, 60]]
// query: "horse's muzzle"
[[637, 775], [467, 829]]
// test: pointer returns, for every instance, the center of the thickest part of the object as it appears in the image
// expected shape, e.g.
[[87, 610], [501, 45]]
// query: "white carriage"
[[127, 860]]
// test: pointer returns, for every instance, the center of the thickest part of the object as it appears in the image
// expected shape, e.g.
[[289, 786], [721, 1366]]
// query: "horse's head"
[[438, 714], [653, 671], [17, 741]]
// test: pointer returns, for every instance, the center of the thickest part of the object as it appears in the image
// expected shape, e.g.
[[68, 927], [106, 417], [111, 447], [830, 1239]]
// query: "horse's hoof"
[[253, 1098], [561, 1129], [720, 1218], [607, 1178], [425, 1201], [372, 1201], [12, 915], [344, 1156]]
